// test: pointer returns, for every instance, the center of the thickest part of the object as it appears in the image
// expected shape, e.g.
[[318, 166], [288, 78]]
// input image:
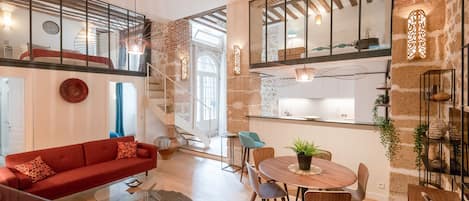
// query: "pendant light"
[[304, 74], [318, 19], [135, 46]]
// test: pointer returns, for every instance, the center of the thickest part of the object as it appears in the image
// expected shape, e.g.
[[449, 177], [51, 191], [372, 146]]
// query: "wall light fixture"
[[184, 69], [416, 35], [237, 60]]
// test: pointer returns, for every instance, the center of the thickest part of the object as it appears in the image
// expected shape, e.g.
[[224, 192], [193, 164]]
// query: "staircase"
[[173, 105]]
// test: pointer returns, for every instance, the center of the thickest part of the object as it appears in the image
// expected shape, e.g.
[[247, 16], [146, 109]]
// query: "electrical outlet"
[[381, 186]]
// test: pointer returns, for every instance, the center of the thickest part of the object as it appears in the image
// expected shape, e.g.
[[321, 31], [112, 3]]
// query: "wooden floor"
[[200, 178]]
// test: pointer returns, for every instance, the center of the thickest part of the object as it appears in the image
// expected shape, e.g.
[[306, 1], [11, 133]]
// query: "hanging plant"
[[388, 133], [419, 134]]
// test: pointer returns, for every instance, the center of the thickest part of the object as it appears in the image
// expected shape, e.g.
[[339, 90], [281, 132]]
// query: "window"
[[207, 88]]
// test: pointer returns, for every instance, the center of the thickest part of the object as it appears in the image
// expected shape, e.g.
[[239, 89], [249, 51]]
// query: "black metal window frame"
[[66, 67], [331, 57]]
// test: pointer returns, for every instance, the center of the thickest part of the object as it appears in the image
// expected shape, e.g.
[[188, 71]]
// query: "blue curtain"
[[119, 109]]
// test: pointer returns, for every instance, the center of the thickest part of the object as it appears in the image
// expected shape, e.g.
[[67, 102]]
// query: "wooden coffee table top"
[[333, 175]]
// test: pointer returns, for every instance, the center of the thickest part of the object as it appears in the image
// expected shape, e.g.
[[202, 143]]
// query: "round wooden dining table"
[[333, 175]]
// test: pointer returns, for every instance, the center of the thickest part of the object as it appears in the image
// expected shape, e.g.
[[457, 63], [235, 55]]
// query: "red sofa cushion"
[[73, 181], [59, 159], [36, 169], [143, 153], [107, 150]]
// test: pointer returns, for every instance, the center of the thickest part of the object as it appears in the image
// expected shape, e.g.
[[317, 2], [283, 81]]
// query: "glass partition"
[[14, 30], [84, 33], [296, 29], [319, 30], [302, 30], [257, 23], [46, 30], [98, 35], [275, 31], [376, 29], [344, 27]]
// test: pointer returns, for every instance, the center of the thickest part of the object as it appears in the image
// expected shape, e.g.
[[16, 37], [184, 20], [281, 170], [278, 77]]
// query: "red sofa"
[[79, 167]]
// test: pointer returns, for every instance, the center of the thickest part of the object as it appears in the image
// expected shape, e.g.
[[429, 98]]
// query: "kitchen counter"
[[304, 120]]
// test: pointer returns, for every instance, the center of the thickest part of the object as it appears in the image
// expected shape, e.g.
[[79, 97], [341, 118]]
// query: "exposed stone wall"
[[443, 43]]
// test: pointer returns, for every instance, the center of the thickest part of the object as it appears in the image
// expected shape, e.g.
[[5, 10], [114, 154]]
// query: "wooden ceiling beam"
[[339, 4], [313, 7], [218, 18], [291, 14], [276, 13], [325, 5], [298, 7], [208, 19], [353, 2]]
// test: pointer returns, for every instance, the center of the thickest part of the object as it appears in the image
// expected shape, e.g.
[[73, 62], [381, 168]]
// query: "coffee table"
[[119, 191]]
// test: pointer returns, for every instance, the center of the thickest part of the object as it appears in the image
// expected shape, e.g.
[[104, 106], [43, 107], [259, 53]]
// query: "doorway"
[[11, 116], [122, 109], [208, 55]]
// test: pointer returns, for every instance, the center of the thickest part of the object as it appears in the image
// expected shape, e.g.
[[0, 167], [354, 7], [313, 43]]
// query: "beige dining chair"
[[328, 196], [324, 154], [265, 190], [260, 155], [359, 194]]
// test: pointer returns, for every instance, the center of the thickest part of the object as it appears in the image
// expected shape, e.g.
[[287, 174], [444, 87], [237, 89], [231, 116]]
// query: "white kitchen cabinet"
[[320, 88]]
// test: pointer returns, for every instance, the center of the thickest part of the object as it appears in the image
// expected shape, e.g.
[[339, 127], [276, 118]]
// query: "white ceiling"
[[167, 10]]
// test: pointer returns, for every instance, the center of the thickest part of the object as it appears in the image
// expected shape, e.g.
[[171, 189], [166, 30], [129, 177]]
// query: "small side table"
[[231, 167]]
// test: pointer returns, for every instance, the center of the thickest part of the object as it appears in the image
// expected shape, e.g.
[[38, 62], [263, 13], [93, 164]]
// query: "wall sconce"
[[416, 35], [7, 22], [237, 60], [304, 74], [184, 69], [318, 19]]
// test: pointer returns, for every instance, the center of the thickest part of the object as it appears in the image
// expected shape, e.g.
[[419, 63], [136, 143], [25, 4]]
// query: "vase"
[[304, 162]]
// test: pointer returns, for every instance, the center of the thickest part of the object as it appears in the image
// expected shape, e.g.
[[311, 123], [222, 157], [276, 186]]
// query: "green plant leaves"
[[419, 134], [304, 147], [389, 135]]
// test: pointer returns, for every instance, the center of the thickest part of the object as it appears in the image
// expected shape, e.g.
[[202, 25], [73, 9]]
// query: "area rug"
[[161, 195]]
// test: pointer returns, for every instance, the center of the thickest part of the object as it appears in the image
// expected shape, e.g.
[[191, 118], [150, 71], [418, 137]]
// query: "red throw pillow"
[[36, 169], [126, 150]]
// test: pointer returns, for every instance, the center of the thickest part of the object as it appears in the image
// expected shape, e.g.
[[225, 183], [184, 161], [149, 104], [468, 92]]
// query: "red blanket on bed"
[[69, 55]]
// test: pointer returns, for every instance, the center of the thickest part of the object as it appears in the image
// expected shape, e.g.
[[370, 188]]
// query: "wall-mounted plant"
[[389, 135], [419, 134]]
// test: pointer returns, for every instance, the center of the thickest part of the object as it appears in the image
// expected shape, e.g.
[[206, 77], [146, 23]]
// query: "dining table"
[[332, 175]]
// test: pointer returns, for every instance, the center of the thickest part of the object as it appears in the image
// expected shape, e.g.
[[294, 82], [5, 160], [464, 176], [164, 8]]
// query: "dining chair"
[[265, 191], [260, 155], [324, 154], [328, 196], [249, 140], [359, 194]]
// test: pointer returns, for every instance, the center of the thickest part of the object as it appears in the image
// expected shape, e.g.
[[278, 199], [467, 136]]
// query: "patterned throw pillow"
[[36, 169], [126, 150]]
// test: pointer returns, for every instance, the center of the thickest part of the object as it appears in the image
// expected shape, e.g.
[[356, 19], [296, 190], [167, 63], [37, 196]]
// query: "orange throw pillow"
[[126, 150], [36, 169]]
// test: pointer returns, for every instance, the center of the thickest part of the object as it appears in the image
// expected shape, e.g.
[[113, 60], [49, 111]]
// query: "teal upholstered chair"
[[249, 140]]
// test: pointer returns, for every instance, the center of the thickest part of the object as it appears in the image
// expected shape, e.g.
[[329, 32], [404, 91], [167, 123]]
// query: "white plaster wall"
[[349, 145], [50, 121]]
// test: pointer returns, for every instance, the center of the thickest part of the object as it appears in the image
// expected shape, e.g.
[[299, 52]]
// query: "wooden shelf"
[[383, 88], [383, 105]]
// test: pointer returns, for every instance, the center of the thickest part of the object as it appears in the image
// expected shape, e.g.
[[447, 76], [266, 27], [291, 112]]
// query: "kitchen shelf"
[[383, 88], [383, 105]]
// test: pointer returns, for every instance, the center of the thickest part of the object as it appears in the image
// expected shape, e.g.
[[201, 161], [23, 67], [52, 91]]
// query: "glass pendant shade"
[[304, 74]]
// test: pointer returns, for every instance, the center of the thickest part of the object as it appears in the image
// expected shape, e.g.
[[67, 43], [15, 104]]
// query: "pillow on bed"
[[35, 46]]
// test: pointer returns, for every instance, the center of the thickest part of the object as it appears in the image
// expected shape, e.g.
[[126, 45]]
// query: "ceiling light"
[[7, 22], [304, 74], [318, 19]]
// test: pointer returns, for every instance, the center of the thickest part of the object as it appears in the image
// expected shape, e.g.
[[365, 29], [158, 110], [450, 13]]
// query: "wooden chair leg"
[[297, 193], [283, 199], [286, 190], [253, 196], [242, 164], [303, 191]]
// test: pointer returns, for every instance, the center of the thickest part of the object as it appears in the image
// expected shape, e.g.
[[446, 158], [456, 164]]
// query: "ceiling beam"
[[276, 13], [313, 7], [339, 4], [325, 5], [299, 8], [269, 17], [208, 19], [291, 14], [353, 2], [216, 17]]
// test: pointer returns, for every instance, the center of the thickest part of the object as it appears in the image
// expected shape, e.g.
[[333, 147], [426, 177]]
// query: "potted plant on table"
[[304, 151]]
